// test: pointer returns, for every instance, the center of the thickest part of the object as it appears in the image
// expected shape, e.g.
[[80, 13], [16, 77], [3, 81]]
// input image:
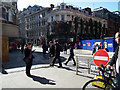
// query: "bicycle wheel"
[[97, 84]]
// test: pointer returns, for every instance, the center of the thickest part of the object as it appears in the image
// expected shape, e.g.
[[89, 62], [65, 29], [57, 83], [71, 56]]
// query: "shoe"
[[29, 75], [59, 66], [74, 64], [52, 65], [65, 64]]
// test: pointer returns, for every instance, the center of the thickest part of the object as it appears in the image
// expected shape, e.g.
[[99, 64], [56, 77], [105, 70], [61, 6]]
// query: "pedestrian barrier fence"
[[83, 61], [86, 61]]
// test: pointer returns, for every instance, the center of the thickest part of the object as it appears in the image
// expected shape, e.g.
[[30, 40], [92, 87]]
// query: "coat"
[[52, 51], [114, 58], [71, 51], [28, 55], [57, 50]]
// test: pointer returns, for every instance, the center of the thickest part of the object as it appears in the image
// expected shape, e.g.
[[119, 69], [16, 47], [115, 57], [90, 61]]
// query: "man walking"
[[57, 53], [51, 52], [116, 60], [71, 55]]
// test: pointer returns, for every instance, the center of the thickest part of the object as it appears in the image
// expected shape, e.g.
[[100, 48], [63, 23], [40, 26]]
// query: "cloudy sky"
[[111, 5]]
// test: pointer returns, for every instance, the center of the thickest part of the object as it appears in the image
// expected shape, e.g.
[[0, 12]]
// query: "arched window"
[[3, 13], [10, 16]]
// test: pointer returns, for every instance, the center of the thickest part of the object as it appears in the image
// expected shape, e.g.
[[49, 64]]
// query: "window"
[[27, 26], [51, 18], [62, 17], [62, 6], [10, 16], [3, 13]]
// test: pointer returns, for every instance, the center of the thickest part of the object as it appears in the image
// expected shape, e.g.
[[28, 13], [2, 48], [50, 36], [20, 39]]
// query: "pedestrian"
[[96, 47], [71, 57], [93, 48], [100, 46], [116, 60], [28, 58], [105, 46], [57, 54], [65, 48], [44, 47], [22, 47], [51, 52]]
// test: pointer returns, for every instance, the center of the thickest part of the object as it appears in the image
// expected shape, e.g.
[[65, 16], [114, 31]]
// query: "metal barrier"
[[83, 60]]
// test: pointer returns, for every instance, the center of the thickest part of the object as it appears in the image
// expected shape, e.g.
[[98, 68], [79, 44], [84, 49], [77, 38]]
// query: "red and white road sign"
[[101, 57]]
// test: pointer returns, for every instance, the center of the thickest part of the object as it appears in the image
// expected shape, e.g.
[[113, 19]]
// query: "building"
[[119, 6], [66, 13], [9, 26], [113, 20], [32, 23], [42, 24]]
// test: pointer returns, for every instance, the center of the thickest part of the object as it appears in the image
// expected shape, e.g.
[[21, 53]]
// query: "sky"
[[111, 5]]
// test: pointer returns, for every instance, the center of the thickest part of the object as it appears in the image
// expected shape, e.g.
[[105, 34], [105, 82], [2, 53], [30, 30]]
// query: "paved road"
[[43, 75]]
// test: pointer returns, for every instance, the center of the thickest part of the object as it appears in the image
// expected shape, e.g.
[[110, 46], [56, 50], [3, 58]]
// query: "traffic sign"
[[101, 57]]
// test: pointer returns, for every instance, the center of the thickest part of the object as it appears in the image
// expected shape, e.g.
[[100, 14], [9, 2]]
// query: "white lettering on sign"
[[101, 58], [94, 70]]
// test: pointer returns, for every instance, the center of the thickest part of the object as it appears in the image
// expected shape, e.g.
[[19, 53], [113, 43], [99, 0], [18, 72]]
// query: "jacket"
[[52, 50], [114, 58]]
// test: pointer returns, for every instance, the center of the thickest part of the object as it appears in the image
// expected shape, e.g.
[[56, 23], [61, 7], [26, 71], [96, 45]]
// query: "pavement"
[[44, 76]]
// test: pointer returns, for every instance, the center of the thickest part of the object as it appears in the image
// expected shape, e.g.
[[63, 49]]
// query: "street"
[[44, 76]]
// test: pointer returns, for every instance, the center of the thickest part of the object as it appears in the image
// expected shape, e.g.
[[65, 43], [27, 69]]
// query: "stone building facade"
[[67, 13], [9, 26], [112, 18], [32, 23], [38, 24]]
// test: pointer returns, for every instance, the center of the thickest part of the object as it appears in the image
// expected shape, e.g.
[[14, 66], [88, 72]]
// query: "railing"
[[83, 61], [86, 61]]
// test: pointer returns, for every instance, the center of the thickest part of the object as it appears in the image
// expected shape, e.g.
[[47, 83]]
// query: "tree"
[[100, 29], [81, 26], [103, 31], [96, 29], [91, 27], [76, 26], [86, 28]]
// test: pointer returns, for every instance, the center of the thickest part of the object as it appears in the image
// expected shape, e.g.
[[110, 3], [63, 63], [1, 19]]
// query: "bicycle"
[[105, 81]]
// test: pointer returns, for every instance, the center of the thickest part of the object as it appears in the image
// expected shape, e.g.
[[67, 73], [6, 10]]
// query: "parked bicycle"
[[105, 81]]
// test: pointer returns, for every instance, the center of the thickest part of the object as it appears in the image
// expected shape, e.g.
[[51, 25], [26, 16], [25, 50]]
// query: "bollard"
[[76, 65], [88, 67]]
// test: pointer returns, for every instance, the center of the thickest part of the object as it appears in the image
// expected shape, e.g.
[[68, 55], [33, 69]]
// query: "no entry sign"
[[101, 57]]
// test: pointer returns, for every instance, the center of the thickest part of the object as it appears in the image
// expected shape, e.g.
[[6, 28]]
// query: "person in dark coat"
[[57, 53], [44, 49], [22, 47], [93, 48], [51, 52], [71, 55], [65, 48], [28, 58], [116, 60]]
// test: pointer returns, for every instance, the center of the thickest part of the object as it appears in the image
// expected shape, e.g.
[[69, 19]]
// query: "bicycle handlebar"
[[105, 70]]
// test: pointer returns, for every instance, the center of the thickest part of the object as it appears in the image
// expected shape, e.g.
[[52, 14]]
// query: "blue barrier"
[[108, 43]]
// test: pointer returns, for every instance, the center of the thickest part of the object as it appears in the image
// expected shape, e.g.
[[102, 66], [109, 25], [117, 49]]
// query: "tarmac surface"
[[44, 76]]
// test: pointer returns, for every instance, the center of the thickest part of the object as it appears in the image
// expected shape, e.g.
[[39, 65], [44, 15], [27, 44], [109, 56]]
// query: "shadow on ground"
[[43, 80], [16, 59]]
